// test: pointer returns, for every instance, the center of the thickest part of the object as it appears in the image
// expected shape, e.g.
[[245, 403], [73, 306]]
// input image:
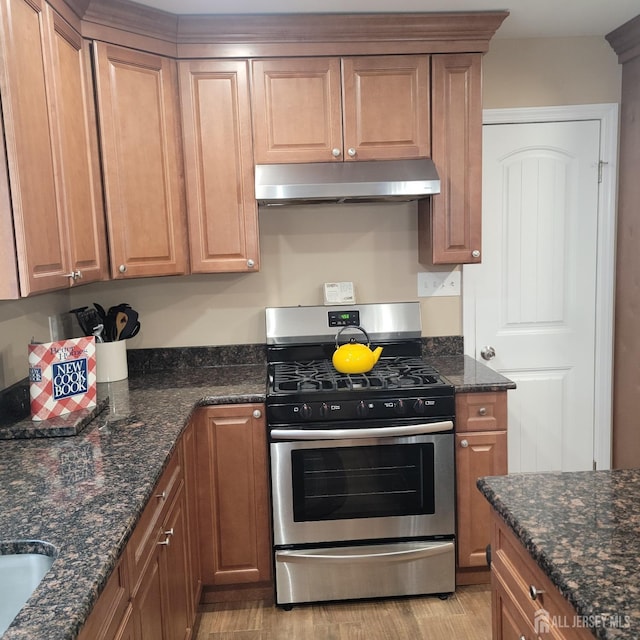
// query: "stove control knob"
[[324, 410], [362, 409], [400, 408], [305, 411], [419, 407]]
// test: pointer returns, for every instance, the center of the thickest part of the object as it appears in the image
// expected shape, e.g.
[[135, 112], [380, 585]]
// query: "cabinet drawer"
[[516, 572], [144, 537], [109, 611], [481, 411]]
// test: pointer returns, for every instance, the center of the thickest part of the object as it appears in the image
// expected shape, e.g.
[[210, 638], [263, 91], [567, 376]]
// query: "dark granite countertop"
[[468, 375], [84, 494], [583, 530]]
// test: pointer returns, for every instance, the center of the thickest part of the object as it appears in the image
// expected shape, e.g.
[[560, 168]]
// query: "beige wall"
[[550, 72], [375, 246]]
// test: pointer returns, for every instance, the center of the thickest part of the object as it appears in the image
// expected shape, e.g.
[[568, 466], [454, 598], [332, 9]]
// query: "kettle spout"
[[376, 354]]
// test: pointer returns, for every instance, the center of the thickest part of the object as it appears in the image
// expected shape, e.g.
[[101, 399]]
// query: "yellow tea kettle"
[[354, 357]]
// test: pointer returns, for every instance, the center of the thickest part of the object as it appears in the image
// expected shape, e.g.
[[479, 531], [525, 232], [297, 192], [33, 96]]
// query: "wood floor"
[[464, 616]]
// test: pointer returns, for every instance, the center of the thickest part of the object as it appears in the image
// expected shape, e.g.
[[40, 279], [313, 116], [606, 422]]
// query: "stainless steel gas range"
[[362, 465]]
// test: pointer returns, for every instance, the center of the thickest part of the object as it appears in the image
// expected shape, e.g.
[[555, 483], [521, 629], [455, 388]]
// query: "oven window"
[[363, 482]]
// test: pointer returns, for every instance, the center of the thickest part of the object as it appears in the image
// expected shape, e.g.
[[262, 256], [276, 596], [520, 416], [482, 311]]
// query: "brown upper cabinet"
[[138, 110], [218, 153], [53, 195], [450, 224], [341, 109]]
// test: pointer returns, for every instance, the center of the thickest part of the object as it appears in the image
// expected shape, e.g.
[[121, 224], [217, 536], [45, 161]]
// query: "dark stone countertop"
[[468, 375], [84, 494], [583, 530]]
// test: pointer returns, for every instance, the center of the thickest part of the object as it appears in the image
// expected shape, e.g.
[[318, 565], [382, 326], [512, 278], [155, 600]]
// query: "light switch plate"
[[439, 283]]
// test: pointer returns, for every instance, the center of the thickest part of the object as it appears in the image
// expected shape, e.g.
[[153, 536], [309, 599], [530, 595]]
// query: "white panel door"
[[535, 291]]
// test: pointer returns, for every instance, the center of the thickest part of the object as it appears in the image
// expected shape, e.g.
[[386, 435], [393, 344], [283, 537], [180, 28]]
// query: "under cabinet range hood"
[[337, 182]]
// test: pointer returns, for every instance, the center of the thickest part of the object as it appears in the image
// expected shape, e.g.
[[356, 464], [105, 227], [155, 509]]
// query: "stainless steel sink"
[[22, 567]]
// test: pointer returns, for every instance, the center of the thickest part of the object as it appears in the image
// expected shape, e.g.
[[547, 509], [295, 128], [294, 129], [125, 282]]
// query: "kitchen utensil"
[[355, 357], [133, 326], [87, 319], [101, 312], [121, 323], [97, 332]]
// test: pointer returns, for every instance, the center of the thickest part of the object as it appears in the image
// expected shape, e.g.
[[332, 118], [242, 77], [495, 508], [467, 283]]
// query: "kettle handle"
[[351, 326]]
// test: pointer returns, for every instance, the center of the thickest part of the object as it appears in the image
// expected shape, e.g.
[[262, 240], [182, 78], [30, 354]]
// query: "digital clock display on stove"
[[344, 318]]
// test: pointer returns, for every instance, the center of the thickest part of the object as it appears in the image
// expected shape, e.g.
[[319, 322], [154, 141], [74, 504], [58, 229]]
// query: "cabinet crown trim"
[[469, 31]]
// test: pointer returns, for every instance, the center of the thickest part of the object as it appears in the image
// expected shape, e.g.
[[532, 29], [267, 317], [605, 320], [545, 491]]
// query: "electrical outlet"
[[439, 283]]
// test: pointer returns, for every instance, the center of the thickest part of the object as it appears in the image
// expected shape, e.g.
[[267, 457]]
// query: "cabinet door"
[[234, 498], [297, 113], [508, 621], [148, 605], [9, 283], [477, 454], [386, 107], [76, 144], [450, 222], [142, 162], [191, 490], [176, 574], [218, 152], [39, 226]]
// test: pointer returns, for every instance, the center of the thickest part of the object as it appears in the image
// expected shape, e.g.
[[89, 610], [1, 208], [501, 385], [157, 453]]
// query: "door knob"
[[488, 352]]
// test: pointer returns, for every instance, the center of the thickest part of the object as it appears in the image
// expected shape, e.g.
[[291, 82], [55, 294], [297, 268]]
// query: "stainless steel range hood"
[[362, 181]]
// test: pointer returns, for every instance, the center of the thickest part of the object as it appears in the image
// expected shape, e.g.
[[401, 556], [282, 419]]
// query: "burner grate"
[[320, 375]]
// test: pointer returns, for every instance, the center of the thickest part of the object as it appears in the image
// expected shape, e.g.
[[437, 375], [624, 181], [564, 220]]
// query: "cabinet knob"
[[165, 542], [257, 413], [464, 443], [122, 268], [482, 411], [336, 152], [352, 152], [475, 253], [161, 496], [534, 593], [251, 263], [74, 275]]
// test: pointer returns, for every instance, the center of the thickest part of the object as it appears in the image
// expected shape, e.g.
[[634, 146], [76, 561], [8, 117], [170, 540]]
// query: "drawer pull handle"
[[161, 496], [165, 542], [534, 593], [482, 411], [169, 533]]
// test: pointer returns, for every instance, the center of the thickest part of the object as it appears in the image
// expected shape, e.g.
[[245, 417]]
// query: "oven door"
[[358, 487]]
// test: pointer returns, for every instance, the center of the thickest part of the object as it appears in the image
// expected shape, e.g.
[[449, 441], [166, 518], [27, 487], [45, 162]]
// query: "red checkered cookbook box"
[[62, 377]]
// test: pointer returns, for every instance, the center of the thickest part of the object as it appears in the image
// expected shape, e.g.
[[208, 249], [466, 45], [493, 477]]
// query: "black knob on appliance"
[[362, 409], [419, 407], [400, 408], [324, 410], [305, 411]]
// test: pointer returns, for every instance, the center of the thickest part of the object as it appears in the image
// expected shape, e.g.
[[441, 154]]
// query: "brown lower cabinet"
[[481, 450], [233, 497], [207, 523], [150, 594], [516, 614]]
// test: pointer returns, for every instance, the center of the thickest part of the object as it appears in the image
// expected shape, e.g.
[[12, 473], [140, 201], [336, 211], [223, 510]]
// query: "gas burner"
[[319, 375]]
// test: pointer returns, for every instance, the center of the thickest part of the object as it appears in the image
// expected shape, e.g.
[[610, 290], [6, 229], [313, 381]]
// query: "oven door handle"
[[348, 555], [373, 432]]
